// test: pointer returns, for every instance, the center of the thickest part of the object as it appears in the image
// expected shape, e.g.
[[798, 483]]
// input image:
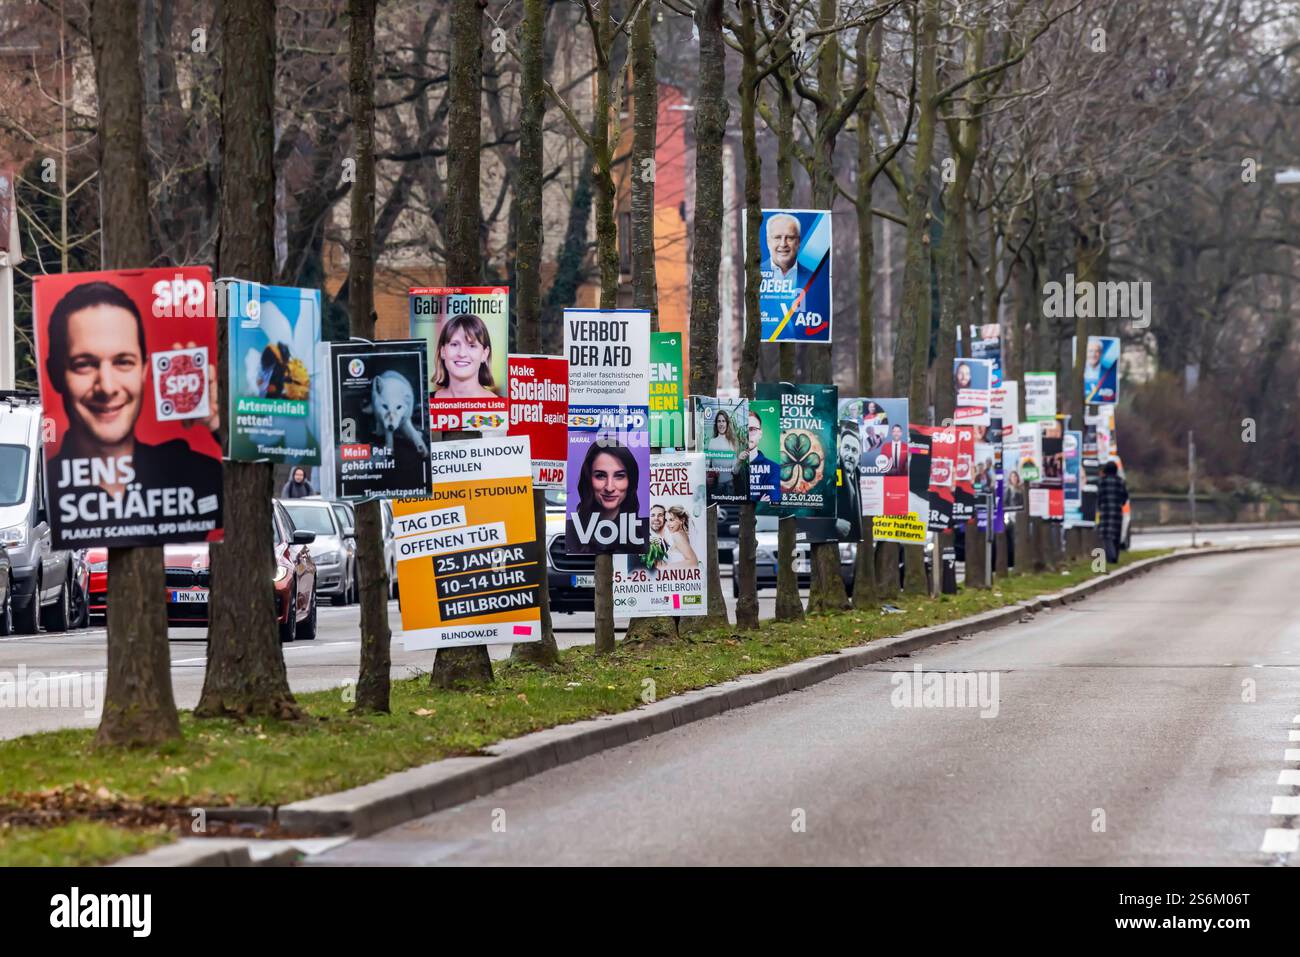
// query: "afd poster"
[[972, 382], [794, 297], [608, 481], [1040, 395], [125, 362], [667, 408], [380, 430], [722, 434], [809, 417], [273, 408], [468, 560], [764, 452], [1101, 371], [609, 357], [668, 576], [467, 332], [539, 409]]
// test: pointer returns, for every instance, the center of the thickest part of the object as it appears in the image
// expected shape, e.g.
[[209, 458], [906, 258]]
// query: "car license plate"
[[189, 597], [583, 581]]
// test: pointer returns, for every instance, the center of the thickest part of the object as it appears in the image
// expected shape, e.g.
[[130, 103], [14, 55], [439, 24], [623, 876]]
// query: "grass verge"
[[222, 762], [77, 842]]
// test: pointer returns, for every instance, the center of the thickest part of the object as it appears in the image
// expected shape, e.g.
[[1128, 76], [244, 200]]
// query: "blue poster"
[[1101, 371], [794, 298], [272, 404]]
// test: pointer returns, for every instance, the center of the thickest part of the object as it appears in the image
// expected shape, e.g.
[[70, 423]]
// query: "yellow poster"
[[467, 556], [908, 529]]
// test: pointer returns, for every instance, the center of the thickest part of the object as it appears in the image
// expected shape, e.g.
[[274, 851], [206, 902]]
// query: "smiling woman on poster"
[[107, 484], [462, 367], [607, 483], [678, 540]]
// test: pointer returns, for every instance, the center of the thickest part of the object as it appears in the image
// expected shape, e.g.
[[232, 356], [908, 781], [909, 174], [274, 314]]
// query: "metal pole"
[[988, 538], [6, 323], [1191, 479]]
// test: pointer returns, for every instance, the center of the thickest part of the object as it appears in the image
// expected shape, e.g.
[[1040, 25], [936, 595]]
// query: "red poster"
[[125, 363], [539, 407]]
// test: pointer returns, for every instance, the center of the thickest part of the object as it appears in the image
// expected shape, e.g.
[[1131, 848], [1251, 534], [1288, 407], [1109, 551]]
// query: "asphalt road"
[[1147, 725]]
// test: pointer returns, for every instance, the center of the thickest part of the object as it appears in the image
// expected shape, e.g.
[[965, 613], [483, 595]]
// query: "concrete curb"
[[418, 791], [210, 852]]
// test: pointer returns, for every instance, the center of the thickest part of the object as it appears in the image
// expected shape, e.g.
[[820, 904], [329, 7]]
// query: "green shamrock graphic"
[[800, 462]]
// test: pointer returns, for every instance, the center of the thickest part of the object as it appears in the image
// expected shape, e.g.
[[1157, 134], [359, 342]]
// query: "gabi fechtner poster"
[[668, 578], [467, 331]]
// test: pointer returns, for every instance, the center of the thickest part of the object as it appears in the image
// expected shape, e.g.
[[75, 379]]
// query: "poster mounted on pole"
[[379, 433], [885, 456], [1101, 371], [273, 396], [795, 294], [667, 405], [722, 435], [809, 459], [467, 332], [468, 560], [972, 382], [668, 576], [1040, 395], [131, 458], [539, 409], [609, 357], [764, 451]]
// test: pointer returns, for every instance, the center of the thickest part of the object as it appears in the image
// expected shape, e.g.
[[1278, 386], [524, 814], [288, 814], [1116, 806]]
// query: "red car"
[[187, 581]]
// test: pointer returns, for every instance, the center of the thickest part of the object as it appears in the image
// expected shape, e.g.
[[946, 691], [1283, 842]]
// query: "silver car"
[[347, 515], [336, 572]]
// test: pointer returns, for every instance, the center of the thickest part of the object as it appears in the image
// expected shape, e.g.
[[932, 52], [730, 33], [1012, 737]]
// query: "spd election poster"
[[379, 435], [539, 409], [467, 332], [274, 409], [668, 577], [794, 298], [125, 362], [468, 561], [667, 410]]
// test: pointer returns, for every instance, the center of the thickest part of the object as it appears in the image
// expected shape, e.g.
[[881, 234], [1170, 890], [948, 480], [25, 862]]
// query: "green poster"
[[765, 454], [667, 421], [809, 415]]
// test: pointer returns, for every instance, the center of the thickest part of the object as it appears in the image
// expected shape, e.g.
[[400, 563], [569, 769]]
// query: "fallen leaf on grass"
[[424, 712]]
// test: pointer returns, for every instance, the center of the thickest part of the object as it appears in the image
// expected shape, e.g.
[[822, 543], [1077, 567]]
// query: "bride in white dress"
[[678, 539]]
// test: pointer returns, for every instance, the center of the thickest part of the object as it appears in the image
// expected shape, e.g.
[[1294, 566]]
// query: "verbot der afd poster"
[[379, 437], [125, 365], [609, 357], [539, 409], [668, 577], [273, 405], [467, 553], [466, 329], [795, 294]]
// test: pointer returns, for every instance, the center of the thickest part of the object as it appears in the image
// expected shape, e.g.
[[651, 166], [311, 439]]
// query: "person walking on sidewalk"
[[1112, 496]]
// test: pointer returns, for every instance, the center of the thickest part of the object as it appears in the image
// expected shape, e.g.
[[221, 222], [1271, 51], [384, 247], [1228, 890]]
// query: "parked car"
[[42, 576], [346, 514], [570, 579], [188, 576], [335, 564], [6, 595], [390, 546], [765, 558]]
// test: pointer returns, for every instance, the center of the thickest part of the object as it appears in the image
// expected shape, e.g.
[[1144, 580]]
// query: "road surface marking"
[[1293, 735], [1286, 806], [1280, 840], [1289, 777], [1292, 754]]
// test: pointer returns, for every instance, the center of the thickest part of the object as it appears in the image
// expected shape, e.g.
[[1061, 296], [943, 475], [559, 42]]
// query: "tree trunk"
[[376, 637], [139, 708], [887, 570], [471, 665], [528, 295], [912, 356], [744, 568], [245, 673], [711, 112], [645, 131], [975, 559]]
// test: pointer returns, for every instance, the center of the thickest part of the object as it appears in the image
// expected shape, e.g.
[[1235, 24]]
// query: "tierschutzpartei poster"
[[468, 561], [380, 430], [125, 362], [467, 332], [273, 391], [795, 294], [668, 576], [722, 435]]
